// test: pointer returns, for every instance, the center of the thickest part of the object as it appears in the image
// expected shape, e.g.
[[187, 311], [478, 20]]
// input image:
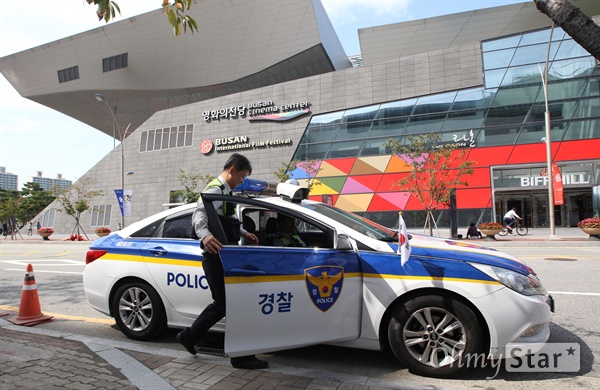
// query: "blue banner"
[[124, 201], [119, 194]]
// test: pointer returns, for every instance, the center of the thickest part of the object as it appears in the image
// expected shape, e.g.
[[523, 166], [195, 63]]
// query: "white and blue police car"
[[341, 282]]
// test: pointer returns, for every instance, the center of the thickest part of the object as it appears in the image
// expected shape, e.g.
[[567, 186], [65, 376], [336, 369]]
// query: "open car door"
[[288, 297]]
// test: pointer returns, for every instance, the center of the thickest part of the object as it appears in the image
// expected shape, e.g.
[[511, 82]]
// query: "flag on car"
[[404, 248]]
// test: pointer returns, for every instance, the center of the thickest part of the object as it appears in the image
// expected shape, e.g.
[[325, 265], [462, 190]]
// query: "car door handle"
[[252, 272], [158, 251]]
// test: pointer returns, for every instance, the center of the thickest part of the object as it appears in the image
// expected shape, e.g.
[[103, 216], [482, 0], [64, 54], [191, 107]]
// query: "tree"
[[34, 200], [436, 170], [9, 211], [175, 11], [189, 180], [575, 23], [76, 200]]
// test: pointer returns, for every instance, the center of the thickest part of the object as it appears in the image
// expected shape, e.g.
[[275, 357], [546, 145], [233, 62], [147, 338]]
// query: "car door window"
[[179, 227], [280, 229]]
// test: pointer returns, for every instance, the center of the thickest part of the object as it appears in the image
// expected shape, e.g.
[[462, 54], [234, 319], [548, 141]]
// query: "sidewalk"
[[536, 237], [37, 358]]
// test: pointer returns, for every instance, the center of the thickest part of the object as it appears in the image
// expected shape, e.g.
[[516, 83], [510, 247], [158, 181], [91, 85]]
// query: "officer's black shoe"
[[249, 362], [186, 342]]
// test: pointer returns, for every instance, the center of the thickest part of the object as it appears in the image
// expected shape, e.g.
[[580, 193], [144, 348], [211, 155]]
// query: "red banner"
[[558, 185]]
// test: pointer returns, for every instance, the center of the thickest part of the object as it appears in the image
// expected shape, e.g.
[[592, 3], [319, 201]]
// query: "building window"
[[68, 74], [508, 110], [114, 63], [167, 138], [101, 215]]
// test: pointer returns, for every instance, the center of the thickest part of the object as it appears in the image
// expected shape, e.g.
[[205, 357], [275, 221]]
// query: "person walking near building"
[[234, 172], [30, 229]]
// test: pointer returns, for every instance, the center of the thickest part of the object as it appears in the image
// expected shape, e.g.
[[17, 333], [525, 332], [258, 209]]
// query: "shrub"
[[490, 226], [102, 229], [45, 230], [589, 223], [75, 237]]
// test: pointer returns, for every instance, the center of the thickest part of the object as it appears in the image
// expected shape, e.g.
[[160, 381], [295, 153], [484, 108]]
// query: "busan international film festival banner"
[[124, 201]]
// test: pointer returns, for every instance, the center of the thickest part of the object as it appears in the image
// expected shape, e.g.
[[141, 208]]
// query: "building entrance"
[[522, 204], [533, 208]]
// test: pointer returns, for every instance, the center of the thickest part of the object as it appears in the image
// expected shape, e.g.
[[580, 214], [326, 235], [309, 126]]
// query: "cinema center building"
[[271, 80]]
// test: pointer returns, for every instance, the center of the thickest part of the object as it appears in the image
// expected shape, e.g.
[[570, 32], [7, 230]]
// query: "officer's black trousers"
[[213, 269]]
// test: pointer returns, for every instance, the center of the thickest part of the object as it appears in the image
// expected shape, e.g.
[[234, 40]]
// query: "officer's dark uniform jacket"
[[225, 210]]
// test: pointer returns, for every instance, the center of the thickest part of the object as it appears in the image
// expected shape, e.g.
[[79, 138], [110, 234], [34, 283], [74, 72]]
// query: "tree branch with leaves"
[[189, 181], [175, 11], [436, 170]]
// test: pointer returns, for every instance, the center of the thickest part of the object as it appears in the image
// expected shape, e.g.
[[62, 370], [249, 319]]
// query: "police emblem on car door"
[[324, 285]]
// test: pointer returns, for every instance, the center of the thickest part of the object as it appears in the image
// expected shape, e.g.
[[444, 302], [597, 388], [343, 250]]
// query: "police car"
[[341, 283]]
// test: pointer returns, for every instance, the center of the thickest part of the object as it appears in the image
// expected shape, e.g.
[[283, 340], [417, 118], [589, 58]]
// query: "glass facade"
[[508, 111]]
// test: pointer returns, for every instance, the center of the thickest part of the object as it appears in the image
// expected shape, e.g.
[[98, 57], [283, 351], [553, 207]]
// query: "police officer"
[[287, 235], [234, 172]]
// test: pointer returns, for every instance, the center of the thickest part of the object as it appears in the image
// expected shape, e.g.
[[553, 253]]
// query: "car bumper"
[[513, 318]]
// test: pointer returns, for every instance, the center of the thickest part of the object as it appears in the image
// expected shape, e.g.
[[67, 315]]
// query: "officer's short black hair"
[[239, 162]]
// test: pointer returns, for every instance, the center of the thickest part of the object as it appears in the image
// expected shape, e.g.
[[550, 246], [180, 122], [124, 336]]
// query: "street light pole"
[[548, 143], [116, 126]]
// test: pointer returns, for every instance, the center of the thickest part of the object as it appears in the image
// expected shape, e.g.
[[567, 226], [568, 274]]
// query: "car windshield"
[[356, 222]]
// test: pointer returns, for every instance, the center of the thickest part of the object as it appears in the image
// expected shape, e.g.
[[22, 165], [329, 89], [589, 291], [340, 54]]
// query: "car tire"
[[435, 336], [139, 311]]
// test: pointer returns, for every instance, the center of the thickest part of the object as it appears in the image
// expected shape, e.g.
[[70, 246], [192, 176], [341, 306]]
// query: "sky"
[[35, 138]]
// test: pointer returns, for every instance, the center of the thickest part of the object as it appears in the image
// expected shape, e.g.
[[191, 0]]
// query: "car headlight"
[[523, 284]]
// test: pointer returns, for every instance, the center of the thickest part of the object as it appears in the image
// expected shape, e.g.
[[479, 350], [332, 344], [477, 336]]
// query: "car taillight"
[[94, 254]]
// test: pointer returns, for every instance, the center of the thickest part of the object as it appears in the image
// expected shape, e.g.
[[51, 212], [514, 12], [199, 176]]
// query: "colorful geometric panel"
[[389, 201], [419, 159], [327, 185], [388, 180], [413, 204], [479, 178], [397, 164], [484, 157], [369, 165], [341, 164], [473, 198], [364, 183], [305, 169], [327, 169], [354, 202], [352, 186]]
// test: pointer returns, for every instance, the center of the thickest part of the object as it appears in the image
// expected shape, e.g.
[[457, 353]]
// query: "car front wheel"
[[139, 311], [435, 336]]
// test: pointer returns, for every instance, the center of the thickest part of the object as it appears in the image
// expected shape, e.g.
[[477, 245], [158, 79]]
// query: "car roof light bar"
[[290, 191]]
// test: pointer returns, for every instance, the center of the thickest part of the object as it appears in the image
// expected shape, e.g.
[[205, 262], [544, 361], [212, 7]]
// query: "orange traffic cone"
[[30, 312]]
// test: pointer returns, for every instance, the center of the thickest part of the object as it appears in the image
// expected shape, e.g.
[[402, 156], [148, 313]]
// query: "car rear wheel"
[[435, 336], [139, 311]]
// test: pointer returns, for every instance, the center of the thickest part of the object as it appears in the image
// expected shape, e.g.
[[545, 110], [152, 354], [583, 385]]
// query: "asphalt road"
[[571, 274]]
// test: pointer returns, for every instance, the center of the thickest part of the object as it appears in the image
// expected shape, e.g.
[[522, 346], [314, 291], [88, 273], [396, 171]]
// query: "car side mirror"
[[343, 243]]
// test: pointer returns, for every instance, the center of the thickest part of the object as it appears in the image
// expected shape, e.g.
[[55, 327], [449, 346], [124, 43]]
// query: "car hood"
[[456, 250]]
